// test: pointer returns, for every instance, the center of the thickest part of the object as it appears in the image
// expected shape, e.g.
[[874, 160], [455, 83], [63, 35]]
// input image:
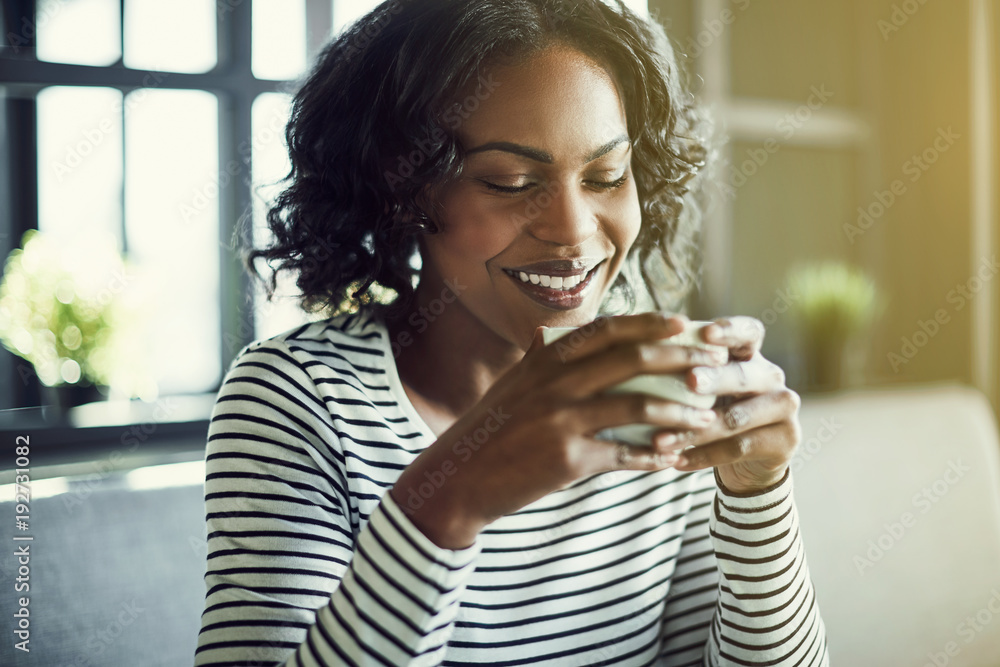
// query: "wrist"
[[742, 489], [441, 511]]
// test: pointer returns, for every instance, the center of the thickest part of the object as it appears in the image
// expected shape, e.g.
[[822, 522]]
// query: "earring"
[[426, 224]]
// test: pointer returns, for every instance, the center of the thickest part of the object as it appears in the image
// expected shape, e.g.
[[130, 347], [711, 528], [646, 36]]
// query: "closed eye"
[[507, 189], [610, 185], [519, 189]]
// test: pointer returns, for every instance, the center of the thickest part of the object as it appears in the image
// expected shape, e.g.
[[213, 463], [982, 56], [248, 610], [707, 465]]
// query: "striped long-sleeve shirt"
[[311, 561]]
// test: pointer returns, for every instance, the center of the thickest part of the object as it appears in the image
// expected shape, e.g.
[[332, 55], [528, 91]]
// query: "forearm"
[[397, 601], [767, 611], [433, 494], [394, 603]]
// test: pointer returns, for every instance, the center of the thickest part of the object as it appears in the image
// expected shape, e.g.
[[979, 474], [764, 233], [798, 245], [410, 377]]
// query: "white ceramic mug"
[[671, 387]]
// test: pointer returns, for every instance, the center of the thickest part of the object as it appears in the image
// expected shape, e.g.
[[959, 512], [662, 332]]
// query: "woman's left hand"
[[752, 440]]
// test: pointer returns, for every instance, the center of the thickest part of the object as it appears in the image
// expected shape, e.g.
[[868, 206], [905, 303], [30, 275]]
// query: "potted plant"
[[834, 305], [63, 309]]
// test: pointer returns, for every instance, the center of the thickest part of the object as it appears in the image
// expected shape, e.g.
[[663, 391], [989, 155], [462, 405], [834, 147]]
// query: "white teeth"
[[552, 282]]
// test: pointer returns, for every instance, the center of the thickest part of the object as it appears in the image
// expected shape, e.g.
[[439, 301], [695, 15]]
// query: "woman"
[[419, 483]]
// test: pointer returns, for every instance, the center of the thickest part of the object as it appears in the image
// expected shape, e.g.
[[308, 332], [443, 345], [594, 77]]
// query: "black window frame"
[[232, 81]]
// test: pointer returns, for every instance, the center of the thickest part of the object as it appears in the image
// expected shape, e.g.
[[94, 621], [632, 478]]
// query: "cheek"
[[471, 231], [627, 218]]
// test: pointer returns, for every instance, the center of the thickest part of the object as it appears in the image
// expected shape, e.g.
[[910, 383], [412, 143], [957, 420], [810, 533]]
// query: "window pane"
[[83, 32], [172, 227], [80, 216], [79, 161], [174, 36], [269, 159], [279, 39]]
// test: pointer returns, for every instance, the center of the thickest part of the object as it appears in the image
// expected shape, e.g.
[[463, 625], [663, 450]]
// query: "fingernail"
[[668, 440], [681, 461], [720, 331], [698, 417], [703, 378], [664, 460], [711, 358]]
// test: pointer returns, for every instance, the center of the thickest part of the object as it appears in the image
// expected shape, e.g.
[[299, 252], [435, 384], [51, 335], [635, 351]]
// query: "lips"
[[549, 289]]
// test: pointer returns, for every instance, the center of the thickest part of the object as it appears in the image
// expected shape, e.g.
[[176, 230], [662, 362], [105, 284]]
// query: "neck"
[[444, 353]]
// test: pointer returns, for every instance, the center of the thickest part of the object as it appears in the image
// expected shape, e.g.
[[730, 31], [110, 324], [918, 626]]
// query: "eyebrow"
[[538, 155]]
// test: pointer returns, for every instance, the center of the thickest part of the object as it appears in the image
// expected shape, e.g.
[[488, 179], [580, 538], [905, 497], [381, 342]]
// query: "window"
[[156, 124]]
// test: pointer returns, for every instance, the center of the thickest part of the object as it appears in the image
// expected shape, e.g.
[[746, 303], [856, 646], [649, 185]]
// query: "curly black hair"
[[370, 129]]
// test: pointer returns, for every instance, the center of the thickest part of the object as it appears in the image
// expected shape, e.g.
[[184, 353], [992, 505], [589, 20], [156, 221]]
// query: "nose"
[[561, 214]]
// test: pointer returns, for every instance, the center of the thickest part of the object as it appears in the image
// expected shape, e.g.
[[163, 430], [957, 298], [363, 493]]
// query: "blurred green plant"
[[834, 304], [62, 309]]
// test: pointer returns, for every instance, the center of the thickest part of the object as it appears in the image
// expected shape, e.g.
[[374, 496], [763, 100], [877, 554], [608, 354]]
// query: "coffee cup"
[[669, 386]]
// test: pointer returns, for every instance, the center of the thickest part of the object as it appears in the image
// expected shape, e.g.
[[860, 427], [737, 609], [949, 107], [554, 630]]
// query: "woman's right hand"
[[533, 431]]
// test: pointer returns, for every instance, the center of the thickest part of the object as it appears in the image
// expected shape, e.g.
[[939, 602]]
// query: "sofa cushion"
[[116, 573], [898, 493]]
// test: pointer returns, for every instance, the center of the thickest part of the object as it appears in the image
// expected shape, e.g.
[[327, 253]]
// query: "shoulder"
[[350, 338]]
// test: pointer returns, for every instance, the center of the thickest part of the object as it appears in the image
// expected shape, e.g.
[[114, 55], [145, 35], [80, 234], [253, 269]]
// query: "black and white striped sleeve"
[[767, 610], [289, 579]]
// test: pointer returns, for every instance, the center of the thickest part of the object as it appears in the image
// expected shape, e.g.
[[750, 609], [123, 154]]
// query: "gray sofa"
[[116, 574]]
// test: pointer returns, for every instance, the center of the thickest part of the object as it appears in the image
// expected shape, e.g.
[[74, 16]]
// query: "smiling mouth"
[[558, 292]]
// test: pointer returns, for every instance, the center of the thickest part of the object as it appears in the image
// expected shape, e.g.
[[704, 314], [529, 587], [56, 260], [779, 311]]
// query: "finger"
[[537, 340], [612, 410], [742, 335], [606, 332], [739, 377], [599, 372], [768, 446], [738, 417], [604, 456]]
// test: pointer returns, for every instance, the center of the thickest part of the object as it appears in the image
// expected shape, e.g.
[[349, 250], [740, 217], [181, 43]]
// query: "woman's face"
[[546, 193]]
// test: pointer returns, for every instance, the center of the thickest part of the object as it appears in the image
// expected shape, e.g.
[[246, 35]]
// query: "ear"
[[428, 212], [427, 201]]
